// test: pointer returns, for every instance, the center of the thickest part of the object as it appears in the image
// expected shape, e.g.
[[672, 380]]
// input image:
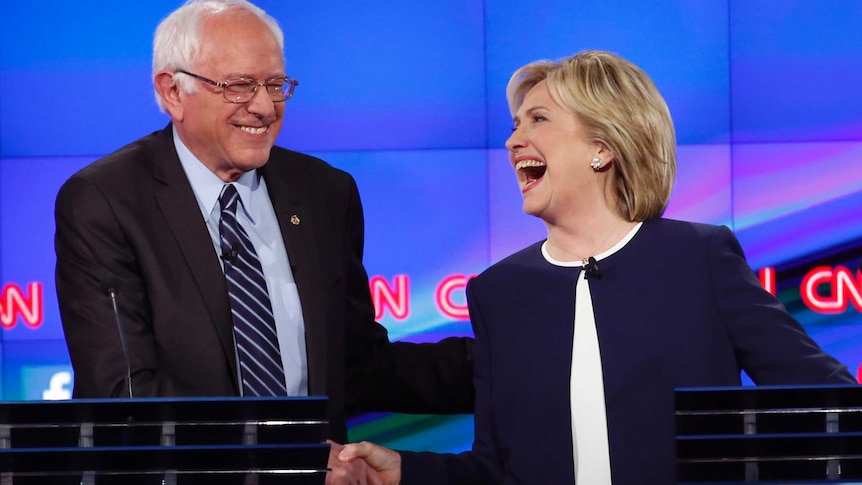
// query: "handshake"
[[363, 463]]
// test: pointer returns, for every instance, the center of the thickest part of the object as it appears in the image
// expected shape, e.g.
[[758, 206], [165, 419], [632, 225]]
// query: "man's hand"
[[349, 472], [385, 462]]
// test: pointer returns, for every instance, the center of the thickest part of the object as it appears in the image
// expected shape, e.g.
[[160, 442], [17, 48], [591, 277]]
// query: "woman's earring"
[[596, 163]]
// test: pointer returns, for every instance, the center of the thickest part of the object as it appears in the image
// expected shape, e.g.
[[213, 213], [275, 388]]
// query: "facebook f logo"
[[58, 387]]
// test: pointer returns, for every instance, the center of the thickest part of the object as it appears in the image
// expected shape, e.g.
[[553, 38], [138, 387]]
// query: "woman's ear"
[[604, 153]]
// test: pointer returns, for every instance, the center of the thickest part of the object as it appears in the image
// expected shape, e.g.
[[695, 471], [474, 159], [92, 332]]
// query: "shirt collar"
[[207, 186], [578, 263]]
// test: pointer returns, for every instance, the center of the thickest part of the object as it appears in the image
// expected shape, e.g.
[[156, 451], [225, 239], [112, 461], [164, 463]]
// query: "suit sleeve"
[[770, 345], [396, 376], [93, 255]]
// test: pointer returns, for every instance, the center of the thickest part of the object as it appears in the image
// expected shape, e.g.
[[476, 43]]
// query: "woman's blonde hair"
[[620, 106]]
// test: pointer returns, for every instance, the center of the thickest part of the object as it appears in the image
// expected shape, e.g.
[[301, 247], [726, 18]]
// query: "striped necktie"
[[259, 356]]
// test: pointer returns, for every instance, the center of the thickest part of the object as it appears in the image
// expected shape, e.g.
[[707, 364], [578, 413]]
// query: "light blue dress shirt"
[[257, 217]]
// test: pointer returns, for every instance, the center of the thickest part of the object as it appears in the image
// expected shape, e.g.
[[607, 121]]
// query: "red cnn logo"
[[13, 303]]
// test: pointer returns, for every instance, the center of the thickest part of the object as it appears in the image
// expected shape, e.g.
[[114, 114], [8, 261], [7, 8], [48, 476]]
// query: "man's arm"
[[399, 376], [92, 255], [433, 378]]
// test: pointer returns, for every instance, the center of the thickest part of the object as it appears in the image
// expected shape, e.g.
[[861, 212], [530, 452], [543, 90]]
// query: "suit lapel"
[[178, 205], [290, 199]]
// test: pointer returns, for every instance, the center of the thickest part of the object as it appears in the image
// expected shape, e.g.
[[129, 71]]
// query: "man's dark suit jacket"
[[131, 221], [677, 306]]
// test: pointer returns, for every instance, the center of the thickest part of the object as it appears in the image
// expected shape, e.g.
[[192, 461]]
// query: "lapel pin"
[[294, 219]]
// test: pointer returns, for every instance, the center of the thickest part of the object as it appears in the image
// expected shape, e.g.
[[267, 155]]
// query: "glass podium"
[[769, 434], [164, 441]]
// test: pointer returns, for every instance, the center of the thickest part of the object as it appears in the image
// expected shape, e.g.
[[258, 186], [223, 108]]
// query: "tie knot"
[[229, 197]]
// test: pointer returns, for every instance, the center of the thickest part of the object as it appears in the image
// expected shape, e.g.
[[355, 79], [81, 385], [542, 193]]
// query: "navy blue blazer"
[[678, 306]]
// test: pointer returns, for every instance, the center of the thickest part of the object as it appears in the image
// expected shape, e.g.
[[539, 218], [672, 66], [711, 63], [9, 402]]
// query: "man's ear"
[[170, 93]]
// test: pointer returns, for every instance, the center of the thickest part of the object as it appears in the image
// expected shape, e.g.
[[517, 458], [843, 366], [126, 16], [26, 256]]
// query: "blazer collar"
[[178, 206], [291, 189]]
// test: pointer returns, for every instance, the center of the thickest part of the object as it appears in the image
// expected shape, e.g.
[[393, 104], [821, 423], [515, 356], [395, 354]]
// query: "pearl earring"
[[596, 163]]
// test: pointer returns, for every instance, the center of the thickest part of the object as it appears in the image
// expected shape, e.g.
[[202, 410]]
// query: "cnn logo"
[[15, 304]]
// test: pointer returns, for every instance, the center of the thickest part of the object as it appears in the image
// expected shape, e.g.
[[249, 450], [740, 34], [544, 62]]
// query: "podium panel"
[[165, 441], [769, 434]]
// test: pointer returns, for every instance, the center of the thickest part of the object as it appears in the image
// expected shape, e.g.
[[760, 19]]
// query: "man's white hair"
[[177, 40]]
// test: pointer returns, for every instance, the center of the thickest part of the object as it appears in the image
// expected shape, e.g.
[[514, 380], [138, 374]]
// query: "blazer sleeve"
[[396, 376], [770, 345], [483, 464], [92, 255]]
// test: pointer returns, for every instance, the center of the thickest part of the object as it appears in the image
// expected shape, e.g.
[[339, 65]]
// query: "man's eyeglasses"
[[242, 90]]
